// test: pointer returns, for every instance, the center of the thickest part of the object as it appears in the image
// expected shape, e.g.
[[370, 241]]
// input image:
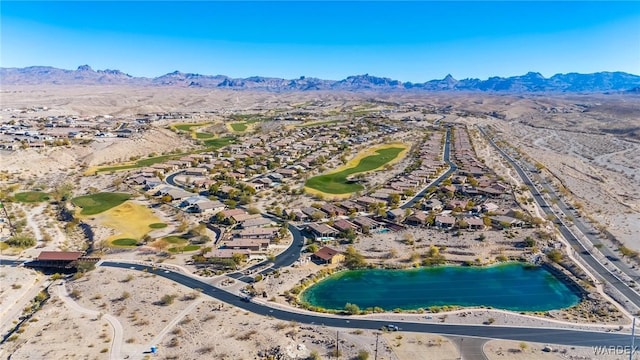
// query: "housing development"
[[223, 224]]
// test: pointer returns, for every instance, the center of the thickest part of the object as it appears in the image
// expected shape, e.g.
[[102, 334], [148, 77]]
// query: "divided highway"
[[539, 335], [582, 251]]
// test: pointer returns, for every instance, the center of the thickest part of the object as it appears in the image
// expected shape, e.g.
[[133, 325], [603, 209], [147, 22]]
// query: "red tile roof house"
[[363, 221], [287, 172], [232, 212], [327, 255], [344, 225], [332, 210], [417, 218]]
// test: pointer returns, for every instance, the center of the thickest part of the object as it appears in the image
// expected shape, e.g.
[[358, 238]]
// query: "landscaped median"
[[338, 181]]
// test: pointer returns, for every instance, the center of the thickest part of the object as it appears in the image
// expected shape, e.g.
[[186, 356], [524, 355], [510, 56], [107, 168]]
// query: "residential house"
[[287, 173], [248, 244], [417, 218], [502, 221], [257, 233], [351, 206], [257, 222], [327, 255], [320, 230], [226, 253], [310, 211], [226, 214], [396, 214], [207, 207], [332, 210], [475, 223], [367, 201], [344, 225], [445, 221], [196, 172], [432, 205], [364, 222], [295, 214]]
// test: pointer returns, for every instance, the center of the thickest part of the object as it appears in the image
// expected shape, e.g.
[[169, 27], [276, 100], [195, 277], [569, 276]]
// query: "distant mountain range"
[[530, 82]]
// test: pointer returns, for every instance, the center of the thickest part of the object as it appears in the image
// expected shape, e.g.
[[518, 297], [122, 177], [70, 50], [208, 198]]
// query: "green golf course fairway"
[[336, 183], [99, 202]]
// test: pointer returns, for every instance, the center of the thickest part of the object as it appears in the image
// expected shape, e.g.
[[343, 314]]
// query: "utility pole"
[[633, 338], [337, 349], [376, 353]]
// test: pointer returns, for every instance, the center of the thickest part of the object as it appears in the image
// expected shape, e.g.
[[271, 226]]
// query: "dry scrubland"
[[193, 326]]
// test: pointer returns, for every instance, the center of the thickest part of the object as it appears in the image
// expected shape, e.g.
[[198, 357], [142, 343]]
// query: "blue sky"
[[409, 41]]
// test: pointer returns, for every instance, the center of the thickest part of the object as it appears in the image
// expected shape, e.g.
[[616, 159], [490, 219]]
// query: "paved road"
[[581, 250], [452, 168], [285, 258], [471, 348], [170, 179], [540, 335]]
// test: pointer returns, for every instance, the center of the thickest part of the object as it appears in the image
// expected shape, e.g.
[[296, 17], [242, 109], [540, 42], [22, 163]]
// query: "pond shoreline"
[[387, 289]]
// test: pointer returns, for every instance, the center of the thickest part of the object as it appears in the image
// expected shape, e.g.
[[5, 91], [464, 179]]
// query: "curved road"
[[539, 335], [582, 252], [170, 179], [285, 258]]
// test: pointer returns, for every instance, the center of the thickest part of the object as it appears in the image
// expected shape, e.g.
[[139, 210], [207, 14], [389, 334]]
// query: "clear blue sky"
[[409, 41]]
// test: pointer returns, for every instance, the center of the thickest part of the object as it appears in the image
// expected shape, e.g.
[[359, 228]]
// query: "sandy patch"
[[18, 286], [503, 349], [416, 346], [129, 220]]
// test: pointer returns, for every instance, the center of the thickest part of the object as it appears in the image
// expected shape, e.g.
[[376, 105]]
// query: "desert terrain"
[[586, 146]]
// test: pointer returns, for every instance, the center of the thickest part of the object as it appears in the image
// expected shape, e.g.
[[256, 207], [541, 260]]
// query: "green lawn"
[[212, 144], [99, 202], [175, 240], [217, 143], [125, 242], [184, 248], [158, 225], [336, 183], [204, 135], [141, 163], [31, 196], [188, 127], [239, 126]]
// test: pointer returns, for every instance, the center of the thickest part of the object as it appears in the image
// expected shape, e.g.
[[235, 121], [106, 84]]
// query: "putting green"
[[335, 183], [125, 242]]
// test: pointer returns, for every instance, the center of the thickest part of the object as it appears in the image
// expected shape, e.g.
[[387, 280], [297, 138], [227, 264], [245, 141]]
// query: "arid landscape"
[[228, 207]]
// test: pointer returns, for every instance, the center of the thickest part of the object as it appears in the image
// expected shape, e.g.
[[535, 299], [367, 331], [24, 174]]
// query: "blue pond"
[[511, 286]]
